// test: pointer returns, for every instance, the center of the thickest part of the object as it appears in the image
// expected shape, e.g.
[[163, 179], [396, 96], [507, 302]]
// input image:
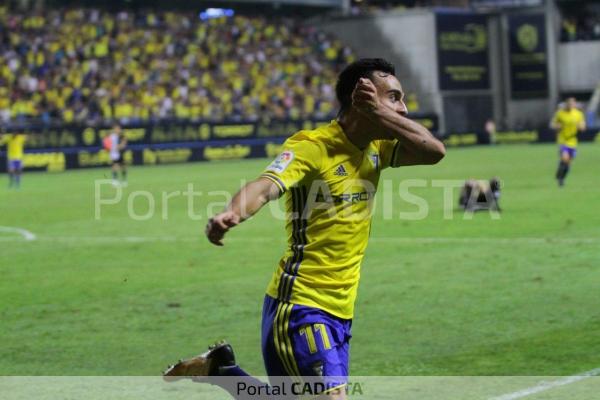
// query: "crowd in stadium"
[[580, 24], [88, 65]]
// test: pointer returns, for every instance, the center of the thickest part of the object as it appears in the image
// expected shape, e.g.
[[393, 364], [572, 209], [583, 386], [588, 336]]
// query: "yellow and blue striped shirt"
[[15, 144], [569, 121], [330, 186]]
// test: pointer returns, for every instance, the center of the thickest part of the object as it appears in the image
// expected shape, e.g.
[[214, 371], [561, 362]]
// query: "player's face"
[[571, 103], [390, 92]]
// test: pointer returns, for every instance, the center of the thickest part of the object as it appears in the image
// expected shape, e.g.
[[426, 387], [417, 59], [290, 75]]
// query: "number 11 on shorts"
[[309, 331]]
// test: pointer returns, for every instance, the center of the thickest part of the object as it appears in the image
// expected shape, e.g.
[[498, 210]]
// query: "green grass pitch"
[[116, 296]]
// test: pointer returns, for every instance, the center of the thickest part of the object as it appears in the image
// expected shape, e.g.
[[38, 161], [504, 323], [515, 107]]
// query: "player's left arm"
[[416, 145]]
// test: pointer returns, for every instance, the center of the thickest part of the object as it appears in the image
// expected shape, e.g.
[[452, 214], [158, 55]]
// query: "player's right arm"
[[299, 157], [251, 198]]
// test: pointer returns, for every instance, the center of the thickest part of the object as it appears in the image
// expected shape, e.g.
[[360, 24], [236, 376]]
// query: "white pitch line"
[[542, 387], [23, 232], [387, 240], [105, 239]]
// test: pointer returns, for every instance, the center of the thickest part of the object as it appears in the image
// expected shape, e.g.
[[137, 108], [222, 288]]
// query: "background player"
[[118, 142], [15, 143], [569, 121], [309, 306], [478, 195]]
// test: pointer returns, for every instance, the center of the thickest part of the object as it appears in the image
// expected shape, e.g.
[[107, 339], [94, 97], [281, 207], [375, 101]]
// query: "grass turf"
[[116, 296]]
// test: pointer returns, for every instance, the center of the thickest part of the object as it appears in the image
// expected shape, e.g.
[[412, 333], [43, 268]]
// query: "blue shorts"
[[305, 341], [15, 165], [571, 151]]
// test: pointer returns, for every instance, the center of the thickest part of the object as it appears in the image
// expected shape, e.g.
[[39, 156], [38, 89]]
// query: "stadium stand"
[[580, 22], [87, 65]]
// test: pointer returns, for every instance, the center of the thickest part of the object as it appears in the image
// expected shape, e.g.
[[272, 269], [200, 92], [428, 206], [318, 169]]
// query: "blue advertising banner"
[[463, 46], [528, 56], [56, 148]]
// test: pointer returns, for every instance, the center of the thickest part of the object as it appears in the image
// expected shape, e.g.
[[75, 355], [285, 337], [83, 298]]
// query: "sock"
[[567, 167], [235, 387], [17, 180], [114, 175], [123, 175], [11, 179], [561, 172]]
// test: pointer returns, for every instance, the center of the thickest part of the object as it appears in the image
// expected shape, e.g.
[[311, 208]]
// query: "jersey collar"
[[344, 141]]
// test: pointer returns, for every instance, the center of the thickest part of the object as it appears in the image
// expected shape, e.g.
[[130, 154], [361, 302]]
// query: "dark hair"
[[362, 68]]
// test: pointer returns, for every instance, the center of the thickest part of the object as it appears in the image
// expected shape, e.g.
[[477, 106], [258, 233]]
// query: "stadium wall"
[[526, 110], [394, 37], [408, 39], [578, 66]]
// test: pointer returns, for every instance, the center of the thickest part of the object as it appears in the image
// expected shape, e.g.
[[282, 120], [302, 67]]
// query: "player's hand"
[[364, 96], [218, 225]]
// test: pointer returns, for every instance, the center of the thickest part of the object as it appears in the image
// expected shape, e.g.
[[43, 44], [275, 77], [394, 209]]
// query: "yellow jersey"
[[15, 145], [329, 187], [569, 122]]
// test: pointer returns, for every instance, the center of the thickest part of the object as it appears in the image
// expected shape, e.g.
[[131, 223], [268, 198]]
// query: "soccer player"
[[568, 121], [15, 142], [329, 177], [118, 142], [477, 196]]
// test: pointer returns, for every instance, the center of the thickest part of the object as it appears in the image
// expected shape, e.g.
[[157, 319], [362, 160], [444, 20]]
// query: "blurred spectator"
[[580, 22], [86, 65], [490, 129]]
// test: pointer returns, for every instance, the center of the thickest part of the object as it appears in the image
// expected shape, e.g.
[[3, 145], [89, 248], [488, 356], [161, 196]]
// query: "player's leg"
[[571, 152], [472, 192], [11, 173], [465, 195], [115, 172], [314, 345], [18, 170], [217, 366], [123, 172], [566, 156], [275, 365]]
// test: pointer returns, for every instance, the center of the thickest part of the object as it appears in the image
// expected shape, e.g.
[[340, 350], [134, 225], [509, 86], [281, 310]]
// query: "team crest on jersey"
[[282, 161]]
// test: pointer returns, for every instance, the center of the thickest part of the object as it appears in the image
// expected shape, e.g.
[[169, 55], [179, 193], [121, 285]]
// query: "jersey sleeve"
[[388, 153], [298, 159]]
